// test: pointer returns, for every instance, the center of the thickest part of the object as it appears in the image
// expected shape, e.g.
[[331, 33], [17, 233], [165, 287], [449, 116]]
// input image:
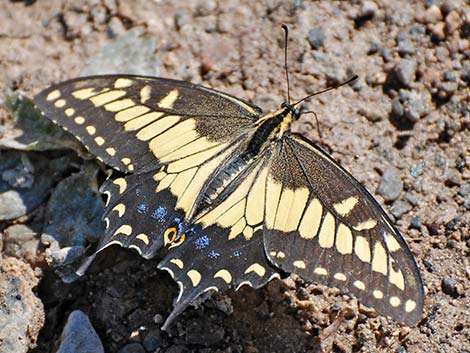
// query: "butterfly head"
[[291, 109]]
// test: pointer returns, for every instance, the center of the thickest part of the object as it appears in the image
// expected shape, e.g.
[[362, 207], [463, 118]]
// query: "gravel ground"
[[403, 130]]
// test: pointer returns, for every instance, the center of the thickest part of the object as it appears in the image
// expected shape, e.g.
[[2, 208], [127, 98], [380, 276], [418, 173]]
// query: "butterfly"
[[230, 195]]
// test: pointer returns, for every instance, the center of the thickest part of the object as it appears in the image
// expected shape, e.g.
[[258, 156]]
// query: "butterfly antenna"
[[286, 36], [327, 89]]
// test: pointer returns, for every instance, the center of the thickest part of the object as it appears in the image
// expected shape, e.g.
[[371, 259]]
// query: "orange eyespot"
[[171, 238], [179, 241], [170, 235]]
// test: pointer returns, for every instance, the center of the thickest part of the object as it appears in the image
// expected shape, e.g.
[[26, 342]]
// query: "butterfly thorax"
[[270, 128]]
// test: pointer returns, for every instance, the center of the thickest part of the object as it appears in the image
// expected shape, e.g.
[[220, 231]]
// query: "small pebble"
[[405, 72], [373, 48], [452, 244], [151, 342], [411, 199], [391, 185], [453, 22], [465, 76], [415, 223], [386, 54], [397, 107], [316, 38], [399, 208], [437, 30], [450, 76], [414, 108], [132, 348], [453, 225], [432, 14], [464, 189], [368, 9], [405, 45], [79, 336], [449, 287]]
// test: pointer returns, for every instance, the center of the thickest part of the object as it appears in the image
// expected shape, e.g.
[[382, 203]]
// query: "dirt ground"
[[407, 116]]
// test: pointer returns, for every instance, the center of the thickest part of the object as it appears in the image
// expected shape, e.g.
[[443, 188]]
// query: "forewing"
[[323, 225], [132, 122]]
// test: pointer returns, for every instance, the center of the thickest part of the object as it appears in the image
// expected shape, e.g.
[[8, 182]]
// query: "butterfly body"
[[230, 193]]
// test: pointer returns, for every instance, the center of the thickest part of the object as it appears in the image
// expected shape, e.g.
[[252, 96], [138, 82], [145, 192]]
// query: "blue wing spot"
[[237, 253], [202, 242], [142, 208], [159, 214], [180, 225], [213, 254]]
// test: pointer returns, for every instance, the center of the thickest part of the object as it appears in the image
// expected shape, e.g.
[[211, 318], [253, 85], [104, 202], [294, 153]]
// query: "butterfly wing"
[[167, 136], [132, 122], [225, 247], [324, 225]]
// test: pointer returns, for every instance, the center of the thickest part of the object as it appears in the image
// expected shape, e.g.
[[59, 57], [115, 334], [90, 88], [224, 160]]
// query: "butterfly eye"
[[170, 235], [178, 241]]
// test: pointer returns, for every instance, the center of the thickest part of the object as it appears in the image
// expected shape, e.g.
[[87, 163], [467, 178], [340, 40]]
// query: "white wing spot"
[[123, 83], [144, 238], [359, 285], [170, 99], [299, 264], [377, 294], [69, 112], [395, 301], [194, 276], [346, 206], [178, 263], [340, 276], [256, 268], [53, 95], [410, 305], [366, 225], [60, 103], [225, 275], [321, 271], [90, 129], [79, 120]]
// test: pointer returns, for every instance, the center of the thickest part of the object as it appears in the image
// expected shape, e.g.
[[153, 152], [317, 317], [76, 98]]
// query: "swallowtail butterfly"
[[230, 193]]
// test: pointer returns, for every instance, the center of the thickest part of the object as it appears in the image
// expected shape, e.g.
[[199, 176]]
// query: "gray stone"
[[399, 208], [405, 45], [405, 72], [25, 181], [21, 241], [316, 38], [368, 9], [464, 189], [21, 312], [450, 287], [73, 217], [397, 107], [391, 185], [152, 341], [79, 336]]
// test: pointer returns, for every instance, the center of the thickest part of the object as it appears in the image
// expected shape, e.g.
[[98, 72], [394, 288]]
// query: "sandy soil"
[[409, 110]]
